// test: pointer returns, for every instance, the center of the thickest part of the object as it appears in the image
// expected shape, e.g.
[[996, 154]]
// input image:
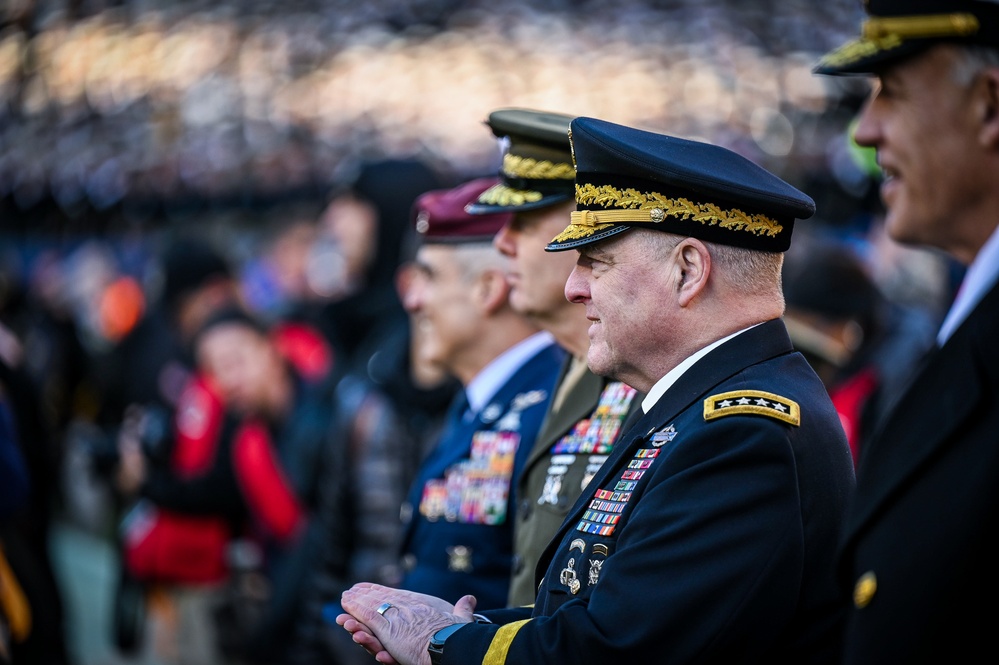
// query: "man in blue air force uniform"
[[459, 538], [709, 534]]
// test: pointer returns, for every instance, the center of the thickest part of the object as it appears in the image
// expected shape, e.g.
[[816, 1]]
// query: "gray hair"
[[755, 271], [474, 259], [972, 60], [759, 272]]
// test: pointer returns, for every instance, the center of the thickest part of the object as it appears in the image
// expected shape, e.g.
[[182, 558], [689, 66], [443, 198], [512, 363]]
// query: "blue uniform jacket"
[[459, 539], [709, 534]]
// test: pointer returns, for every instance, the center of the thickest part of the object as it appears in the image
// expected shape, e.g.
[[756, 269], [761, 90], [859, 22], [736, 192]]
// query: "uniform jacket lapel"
[[578, 404], [944, 394]]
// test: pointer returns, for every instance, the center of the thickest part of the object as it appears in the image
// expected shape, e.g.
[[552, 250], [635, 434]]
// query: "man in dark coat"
[[919, 553], [709, 534]]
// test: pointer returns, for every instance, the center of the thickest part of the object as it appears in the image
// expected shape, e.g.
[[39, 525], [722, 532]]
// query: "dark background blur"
[[126, 122], [117, 114]]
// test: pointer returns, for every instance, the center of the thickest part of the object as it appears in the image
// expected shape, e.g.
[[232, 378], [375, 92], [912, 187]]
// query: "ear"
[[989, 107], [693, 265], [491, 291]]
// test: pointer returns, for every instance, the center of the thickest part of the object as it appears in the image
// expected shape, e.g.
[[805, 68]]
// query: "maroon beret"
[[440, 215]]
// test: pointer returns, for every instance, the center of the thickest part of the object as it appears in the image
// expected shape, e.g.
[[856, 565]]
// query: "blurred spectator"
[[13, 472], [29, 467], [275, 281], [15, 610], [40, 313], [145, 372], [360, 248], [150, 403], [283, 402], [389, 414], [153, 362], [257, 477], [862, 345]]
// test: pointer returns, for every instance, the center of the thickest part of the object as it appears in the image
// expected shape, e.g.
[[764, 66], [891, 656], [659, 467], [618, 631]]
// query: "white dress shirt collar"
[[665, 383], [982, 274], [494, 376]]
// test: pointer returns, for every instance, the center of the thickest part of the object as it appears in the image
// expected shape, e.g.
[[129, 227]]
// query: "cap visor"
[[865, 57], [574, 243], [479, 208]]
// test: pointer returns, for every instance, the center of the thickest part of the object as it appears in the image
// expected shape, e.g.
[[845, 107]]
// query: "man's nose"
[[576, 288]]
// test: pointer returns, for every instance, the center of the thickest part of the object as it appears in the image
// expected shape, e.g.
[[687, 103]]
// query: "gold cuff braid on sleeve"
[[500, 647]]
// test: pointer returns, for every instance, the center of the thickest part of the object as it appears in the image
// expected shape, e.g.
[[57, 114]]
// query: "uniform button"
[[525, 509], [864, 589], [518, 564], [409, 562]]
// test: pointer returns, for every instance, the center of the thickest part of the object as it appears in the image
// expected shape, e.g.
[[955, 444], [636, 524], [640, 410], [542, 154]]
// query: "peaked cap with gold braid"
[[900, 28], [537, 169], [628, 178]]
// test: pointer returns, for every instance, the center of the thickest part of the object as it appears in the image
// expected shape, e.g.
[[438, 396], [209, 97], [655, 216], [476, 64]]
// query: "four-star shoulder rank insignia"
[[756, 402]]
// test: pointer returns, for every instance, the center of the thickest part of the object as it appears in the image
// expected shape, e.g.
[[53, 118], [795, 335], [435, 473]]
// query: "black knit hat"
[[187, 265]]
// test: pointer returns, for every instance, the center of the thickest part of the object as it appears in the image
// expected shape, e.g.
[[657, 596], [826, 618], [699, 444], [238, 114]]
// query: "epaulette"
[[756, 402]]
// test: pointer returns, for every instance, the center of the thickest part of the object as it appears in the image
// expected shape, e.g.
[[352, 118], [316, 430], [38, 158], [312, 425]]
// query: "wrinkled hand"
[[402, 634], [363, 635]]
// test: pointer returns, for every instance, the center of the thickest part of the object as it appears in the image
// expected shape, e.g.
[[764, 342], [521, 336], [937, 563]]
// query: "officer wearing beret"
[[709, 534], [919, 553], [460, 509], [537, 185]]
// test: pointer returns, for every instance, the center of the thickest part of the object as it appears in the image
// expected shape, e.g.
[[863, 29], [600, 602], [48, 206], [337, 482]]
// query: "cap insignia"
[[752, 402], [423, 222]]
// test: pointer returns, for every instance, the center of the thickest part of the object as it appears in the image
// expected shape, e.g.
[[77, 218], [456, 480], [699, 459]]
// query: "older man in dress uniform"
[[709, 534]]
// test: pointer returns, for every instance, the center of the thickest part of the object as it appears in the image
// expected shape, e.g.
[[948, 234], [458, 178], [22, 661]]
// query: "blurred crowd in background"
[[143, 104], [267, 154]]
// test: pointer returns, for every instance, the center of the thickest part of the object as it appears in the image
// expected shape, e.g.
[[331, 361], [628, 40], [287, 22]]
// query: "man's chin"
[[898, 226], [597, 363]]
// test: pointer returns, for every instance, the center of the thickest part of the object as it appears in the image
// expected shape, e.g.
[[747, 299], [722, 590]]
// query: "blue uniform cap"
[[896, 29], [627, 178]]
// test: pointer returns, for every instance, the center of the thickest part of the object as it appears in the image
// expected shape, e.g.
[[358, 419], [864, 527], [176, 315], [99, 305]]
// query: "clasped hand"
[[401, 634]]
